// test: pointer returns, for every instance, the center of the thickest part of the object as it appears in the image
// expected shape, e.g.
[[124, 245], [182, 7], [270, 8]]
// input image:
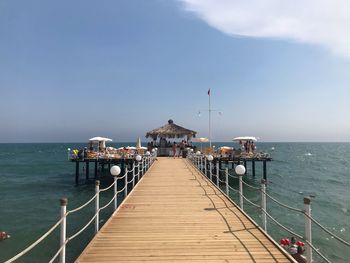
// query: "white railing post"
[[263, 204], [97, 206], [241, 190], [115, 192], [126, 181], [308, 236], [217, 174], [63, 232], [133, 174], [227, 184]]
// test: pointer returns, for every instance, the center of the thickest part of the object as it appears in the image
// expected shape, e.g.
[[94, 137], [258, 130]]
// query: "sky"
[[277, 70]]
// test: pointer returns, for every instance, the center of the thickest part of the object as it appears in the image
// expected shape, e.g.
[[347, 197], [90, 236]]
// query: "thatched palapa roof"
[[171, 130]]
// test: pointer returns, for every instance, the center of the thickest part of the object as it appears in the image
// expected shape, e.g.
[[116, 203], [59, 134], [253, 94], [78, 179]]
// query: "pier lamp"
[[147, 153], [115, 170], [198, 153], [210, 157], [138, 158], [153, 150], [240, 169]]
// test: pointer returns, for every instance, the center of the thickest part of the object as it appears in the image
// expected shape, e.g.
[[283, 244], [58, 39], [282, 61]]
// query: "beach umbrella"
[[138, 142]]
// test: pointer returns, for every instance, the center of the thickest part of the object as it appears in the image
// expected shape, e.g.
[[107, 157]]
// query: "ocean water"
[[33, 177]]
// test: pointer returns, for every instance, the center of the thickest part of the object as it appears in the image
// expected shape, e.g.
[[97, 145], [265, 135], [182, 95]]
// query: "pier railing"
[[204, 164], [139, 168]]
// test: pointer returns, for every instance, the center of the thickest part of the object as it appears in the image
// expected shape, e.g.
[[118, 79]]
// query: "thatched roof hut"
[[171, 130]]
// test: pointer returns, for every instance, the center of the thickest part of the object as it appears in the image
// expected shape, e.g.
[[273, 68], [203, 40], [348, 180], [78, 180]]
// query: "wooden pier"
[[175, 214]]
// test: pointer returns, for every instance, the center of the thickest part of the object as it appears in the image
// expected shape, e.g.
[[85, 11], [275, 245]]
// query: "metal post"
[[263, 204], [63, 203], [227, 184], [133, 174], [126, 182], [115, 193], [241, 191], [217, 174], [210, 172], [97, 206], [308, 237], [205, 166]]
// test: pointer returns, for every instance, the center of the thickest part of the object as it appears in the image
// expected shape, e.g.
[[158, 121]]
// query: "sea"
[[33, 178]]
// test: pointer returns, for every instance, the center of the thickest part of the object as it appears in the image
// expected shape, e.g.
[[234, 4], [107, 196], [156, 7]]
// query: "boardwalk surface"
[[175, 215]]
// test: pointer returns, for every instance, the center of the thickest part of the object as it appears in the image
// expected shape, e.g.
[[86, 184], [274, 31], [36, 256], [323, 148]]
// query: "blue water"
[[33, 177]]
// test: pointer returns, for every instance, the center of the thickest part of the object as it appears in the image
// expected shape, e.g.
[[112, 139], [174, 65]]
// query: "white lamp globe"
[[210, 157], [156, 149], [153, 150], [240, 169], [198, 153], [191, 150], [138, 158], [115, 170], [147, 153]]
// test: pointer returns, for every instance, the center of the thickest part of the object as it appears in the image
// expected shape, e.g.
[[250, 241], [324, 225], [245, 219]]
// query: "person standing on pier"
[[174, 149]]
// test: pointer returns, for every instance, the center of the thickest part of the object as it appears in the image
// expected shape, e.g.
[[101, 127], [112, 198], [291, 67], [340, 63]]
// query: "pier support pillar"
[[76, 172], [87, 170], [246, 168], [253, 168], [96, 163], [264, 170]]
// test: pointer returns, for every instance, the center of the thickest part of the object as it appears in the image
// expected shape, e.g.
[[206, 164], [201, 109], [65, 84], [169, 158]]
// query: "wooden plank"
[[176, 215]]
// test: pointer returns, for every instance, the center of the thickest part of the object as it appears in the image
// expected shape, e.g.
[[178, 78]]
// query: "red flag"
[[208, 92]]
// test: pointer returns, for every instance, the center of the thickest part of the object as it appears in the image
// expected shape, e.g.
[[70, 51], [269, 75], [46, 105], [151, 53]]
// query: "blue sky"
[[71, 70]]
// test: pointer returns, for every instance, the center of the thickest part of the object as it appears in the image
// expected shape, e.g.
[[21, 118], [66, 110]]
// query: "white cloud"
[[322, 22]]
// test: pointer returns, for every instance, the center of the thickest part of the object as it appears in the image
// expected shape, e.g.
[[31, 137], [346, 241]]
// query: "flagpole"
[[209, 121]]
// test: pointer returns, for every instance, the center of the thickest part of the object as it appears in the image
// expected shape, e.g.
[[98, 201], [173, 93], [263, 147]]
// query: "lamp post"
[[115, 171], [240, 171]]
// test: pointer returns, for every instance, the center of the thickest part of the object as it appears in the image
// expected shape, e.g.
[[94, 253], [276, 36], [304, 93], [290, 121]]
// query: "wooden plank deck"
[[176, 215]]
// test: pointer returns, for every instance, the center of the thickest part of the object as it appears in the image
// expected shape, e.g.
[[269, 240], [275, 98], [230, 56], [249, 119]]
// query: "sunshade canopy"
[[202, 139], [245, 138], [171, 130], [100, 139]]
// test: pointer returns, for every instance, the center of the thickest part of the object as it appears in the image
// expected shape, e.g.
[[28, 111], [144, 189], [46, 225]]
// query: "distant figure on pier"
[[174, 149]]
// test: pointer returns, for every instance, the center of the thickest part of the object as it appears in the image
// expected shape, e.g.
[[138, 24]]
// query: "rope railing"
[[25, 251], [327, 231], [306, 212], [65, 215], [82, 229], [82, 206], [284, 205]]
